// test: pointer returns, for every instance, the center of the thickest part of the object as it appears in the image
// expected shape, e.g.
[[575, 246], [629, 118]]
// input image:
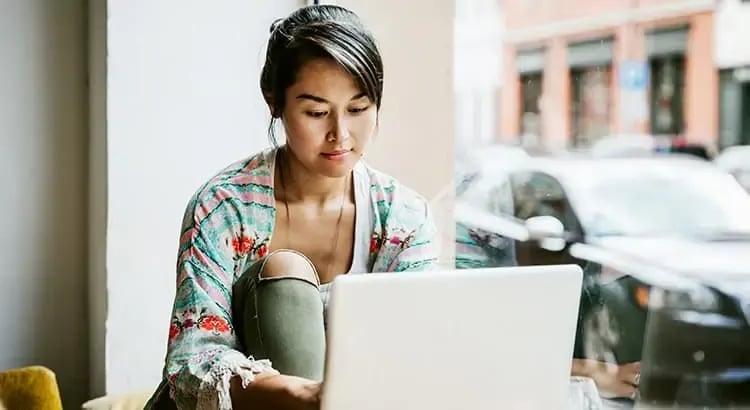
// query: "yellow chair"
[[33, 387], [132, 401]]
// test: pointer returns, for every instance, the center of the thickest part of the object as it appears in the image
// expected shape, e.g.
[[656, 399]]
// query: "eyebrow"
[[323, 100]]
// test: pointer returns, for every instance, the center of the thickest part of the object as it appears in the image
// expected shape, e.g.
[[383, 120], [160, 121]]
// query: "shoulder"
[[395, 199], [228, 220], [244, 183], [407, 239]]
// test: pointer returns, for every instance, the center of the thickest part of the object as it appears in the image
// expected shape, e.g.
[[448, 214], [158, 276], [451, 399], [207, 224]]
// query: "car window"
[[539, 194]]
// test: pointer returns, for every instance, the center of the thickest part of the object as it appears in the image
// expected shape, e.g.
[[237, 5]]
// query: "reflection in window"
[[669, 205], [477, 70], [490, 194], [537, 194]]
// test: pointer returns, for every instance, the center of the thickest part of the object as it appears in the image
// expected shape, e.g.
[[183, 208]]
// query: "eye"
[[316, 114], [358, 110]]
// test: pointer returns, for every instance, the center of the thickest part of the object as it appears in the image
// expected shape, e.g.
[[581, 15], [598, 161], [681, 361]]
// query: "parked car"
[[662, 239], [630, 145], [624, 145], [736, 161]]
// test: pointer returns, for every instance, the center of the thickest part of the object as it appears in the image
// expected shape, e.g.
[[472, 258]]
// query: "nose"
[[339, 130]]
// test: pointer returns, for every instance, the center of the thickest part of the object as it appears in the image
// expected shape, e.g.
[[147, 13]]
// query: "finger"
[[630, 378], [625, 390], [632, 367]]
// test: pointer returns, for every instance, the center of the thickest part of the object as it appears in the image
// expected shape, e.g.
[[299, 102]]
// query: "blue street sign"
[[633, 75]]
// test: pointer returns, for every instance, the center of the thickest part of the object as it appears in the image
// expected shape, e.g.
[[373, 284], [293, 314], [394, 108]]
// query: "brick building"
[[577, 70]]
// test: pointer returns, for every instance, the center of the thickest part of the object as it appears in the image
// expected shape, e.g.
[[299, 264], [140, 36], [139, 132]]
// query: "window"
[[667, 89], [590, 65], [530, 66], [621, 113], [666, 48], [538, 194], [590, 103], [531, 119]]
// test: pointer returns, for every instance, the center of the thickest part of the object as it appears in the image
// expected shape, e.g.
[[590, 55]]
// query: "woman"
[[262, 239]]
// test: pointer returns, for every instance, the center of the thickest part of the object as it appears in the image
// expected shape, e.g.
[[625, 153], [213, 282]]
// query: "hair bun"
[[276, 23]]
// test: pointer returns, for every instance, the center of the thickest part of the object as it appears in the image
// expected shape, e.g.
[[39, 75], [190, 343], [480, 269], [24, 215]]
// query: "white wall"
[[183, 101], [43, 204], [415, 138], [732, 31]]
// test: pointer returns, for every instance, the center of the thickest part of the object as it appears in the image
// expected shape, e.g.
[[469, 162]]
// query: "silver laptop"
[[452, 340]]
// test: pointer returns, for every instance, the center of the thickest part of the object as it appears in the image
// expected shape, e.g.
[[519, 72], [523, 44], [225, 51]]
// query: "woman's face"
[[328, 119]]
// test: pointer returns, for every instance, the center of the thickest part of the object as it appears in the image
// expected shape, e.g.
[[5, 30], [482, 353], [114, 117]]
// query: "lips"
[[336, 154]]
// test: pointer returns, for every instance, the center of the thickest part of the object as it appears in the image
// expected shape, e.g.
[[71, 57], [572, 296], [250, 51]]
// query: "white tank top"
[[364, 218]]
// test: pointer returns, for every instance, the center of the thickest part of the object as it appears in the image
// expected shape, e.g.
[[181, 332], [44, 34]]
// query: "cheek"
[[303, 130], [364, 126]]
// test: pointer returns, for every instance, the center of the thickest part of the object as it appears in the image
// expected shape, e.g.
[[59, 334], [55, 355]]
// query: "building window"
[[734, 107], [531, 118], [590, 89], [666, 48], [590, 106], [667, 91]]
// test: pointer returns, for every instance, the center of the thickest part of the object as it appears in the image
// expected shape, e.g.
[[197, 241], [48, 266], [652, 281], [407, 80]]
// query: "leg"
[[278, 314]]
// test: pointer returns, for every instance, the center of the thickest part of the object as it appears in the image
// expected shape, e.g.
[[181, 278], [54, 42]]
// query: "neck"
[[299, 185]]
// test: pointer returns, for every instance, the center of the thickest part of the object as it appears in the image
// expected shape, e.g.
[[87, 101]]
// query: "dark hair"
[[320, 31]]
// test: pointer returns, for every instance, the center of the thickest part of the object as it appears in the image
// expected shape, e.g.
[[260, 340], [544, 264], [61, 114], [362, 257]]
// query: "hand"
[[617, 380], [303, 393], [277, 392]]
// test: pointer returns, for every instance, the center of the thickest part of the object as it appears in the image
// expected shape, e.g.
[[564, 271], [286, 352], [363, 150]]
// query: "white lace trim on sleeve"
[[214, 391]]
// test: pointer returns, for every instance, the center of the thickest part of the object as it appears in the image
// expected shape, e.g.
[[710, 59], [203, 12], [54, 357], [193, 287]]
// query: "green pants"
[[280, 319]]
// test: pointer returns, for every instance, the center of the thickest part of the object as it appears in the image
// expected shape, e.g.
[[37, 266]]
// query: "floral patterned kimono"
[[226, 228]]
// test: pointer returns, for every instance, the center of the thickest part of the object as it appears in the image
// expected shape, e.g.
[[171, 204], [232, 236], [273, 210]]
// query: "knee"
[[289, 264]]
